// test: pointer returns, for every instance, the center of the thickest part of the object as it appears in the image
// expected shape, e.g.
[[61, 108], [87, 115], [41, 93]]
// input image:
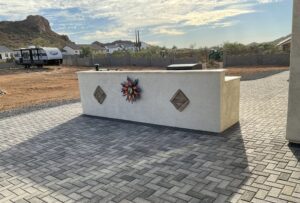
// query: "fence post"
[[129, 59]]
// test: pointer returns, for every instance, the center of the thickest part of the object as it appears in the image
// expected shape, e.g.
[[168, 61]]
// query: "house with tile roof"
[[95, 47], [285, 44]]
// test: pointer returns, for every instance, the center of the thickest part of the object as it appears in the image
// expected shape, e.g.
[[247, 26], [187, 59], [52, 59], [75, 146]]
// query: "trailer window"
[[25, 55]]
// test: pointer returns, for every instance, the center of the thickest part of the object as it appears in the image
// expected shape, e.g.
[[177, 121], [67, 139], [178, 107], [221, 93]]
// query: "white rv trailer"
[[38, 56]]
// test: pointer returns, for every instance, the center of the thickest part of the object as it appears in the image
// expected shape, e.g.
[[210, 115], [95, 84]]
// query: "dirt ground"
[[20, 88], [35, 86], [246, 71]]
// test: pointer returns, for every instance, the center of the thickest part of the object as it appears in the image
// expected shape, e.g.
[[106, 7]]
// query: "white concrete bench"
[[213, 98]]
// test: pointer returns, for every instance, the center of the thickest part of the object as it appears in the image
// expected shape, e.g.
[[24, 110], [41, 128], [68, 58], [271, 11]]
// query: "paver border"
[[29, 109]]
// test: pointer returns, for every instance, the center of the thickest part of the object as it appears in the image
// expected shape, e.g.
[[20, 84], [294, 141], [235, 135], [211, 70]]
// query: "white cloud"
[[267, 1], [208, 17], [161, 17], [105, 35], [167, 31], [224, 24], [154, 43]]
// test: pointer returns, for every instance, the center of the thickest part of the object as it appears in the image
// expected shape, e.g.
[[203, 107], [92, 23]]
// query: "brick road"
[[58, 155]]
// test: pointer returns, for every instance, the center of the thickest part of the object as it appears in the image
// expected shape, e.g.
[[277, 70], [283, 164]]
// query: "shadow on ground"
[[96, 159], [295, 149]]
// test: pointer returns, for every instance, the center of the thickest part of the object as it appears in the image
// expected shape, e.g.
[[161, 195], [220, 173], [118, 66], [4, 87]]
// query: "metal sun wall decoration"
[[131, 90]]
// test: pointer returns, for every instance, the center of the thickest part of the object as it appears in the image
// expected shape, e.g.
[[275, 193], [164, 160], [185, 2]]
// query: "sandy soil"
[[246, 71], [36, 86]]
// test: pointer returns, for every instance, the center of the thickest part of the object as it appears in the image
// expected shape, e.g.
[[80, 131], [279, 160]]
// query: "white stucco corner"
[[293, 117]]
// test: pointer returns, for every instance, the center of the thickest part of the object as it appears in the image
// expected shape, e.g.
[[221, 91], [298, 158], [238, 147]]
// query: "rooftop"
[[286, 40], [4, 49], [73, 46]]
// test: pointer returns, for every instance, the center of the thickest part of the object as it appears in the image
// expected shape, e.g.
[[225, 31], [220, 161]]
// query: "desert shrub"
[[86, 51], [11, 60], [254, 48]]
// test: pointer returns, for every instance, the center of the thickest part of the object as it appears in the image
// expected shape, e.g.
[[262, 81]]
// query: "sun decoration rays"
[[131, 90]]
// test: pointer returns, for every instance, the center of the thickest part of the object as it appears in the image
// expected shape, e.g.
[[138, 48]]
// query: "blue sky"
[[162, 22]]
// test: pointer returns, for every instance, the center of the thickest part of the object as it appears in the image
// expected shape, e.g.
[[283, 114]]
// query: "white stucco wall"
[[293, 121], [111, 50], [6, 55], [202, 87], [70, 51]]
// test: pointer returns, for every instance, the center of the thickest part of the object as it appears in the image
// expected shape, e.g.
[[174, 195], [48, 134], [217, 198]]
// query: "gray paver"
[[58, 155]]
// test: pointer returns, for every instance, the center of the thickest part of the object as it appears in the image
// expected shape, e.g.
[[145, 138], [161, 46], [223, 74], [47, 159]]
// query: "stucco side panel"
[[230, 103]]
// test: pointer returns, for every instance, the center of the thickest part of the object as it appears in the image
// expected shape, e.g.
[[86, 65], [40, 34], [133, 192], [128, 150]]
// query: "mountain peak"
[[39, 23], [34, 30], [97, 43]]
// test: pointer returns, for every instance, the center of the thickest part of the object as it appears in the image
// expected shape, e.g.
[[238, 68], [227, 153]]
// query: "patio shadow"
[[97, 159], [295, 149]]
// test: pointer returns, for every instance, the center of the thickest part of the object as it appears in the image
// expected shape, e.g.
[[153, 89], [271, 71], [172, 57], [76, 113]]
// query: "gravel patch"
[[28, 109]]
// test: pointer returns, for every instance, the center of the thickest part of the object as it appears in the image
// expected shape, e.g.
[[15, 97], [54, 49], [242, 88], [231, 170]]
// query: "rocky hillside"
[[34, 30]]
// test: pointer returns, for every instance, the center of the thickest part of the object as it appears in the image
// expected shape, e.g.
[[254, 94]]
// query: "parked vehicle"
[[38, 56]]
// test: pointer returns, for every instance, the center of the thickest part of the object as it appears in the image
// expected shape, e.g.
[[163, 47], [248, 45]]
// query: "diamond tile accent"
[[180, 101], [99, 95]]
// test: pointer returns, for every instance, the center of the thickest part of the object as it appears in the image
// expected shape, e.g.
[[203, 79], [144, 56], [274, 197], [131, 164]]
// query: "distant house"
[[112, 48], [95, 47], [71, 49], [144, 45], [122, 45], [285, 45], [128, 47], [131, 46], [98, 49], [5, 53]]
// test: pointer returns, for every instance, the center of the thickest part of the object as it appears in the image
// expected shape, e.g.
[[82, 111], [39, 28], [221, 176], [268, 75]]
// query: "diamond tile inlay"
[[99, 95], [180, 101]]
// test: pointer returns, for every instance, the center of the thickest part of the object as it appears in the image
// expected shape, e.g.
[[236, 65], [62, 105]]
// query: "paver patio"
[[58, 155]]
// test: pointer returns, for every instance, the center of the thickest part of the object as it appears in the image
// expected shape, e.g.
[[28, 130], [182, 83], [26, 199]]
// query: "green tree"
[[86, 51]]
